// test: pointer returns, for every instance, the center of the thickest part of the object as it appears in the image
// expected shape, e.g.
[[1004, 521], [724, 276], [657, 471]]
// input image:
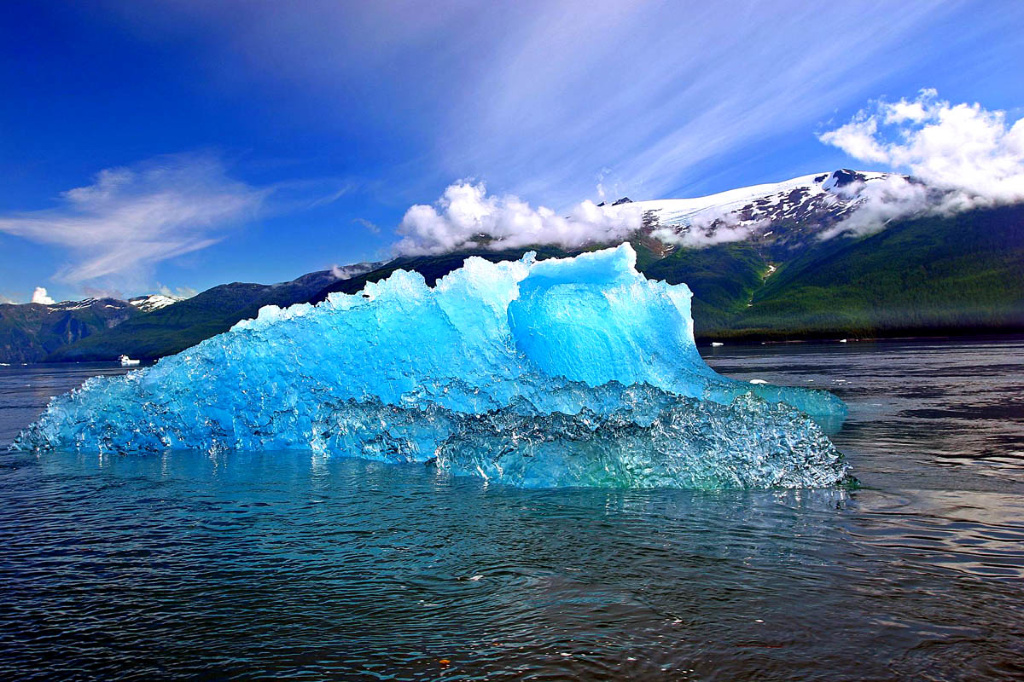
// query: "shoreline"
[[773, 339]]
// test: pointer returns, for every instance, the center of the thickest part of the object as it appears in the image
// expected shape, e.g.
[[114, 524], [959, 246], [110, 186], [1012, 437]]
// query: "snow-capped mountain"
[[148, 304], [30, 331], [781, 212], [145, 304], [67, 306], [789, 198]]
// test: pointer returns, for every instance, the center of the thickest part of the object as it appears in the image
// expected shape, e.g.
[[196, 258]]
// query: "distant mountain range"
[[754, 258]]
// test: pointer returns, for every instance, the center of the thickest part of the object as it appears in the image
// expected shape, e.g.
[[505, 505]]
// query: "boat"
[[716, 344], [128, 362]]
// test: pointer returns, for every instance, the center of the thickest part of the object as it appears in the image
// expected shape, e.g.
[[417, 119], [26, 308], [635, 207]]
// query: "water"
[[285, 565]]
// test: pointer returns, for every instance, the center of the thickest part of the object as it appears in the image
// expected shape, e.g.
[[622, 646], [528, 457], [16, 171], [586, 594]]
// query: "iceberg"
[[562, 372]]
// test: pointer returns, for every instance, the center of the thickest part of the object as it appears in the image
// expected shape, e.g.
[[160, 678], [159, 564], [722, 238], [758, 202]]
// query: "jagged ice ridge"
[[571, 372]]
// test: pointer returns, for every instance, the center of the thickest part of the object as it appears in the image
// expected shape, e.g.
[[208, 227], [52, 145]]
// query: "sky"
[[174, 145]]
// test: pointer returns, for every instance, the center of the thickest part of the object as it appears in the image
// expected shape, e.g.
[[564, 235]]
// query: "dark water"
[[284, 565]]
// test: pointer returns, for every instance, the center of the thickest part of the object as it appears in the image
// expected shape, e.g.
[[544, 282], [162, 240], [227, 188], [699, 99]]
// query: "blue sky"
[[187, 144]]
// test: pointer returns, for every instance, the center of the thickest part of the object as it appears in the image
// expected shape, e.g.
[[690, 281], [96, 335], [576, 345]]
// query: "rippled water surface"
[[278, 565]]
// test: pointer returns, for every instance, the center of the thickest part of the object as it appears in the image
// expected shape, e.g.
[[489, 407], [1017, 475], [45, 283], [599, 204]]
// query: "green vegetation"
[[962, 274], [31, 332]]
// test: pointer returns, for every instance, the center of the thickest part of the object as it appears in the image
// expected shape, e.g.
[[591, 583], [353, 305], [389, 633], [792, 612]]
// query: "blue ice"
[[563, 372]]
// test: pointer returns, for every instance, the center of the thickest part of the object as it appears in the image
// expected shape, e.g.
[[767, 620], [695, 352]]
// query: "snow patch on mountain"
[[148, 304], [815, 201]]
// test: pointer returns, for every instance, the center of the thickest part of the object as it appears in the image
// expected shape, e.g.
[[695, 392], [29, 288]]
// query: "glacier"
[[562, 372]]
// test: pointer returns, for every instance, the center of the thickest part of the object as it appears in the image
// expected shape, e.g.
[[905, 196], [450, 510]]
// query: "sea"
[[289, 565]]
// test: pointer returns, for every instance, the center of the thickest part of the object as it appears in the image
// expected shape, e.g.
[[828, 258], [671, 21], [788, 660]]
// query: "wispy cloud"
[[371, 227], [652, 92], [542, 97], [179, 292], [132, 218], [961, 156]]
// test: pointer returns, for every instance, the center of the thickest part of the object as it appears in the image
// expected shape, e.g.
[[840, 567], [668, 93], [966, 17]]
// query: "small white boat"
[[128, 362], [758, 381], [716, 344], [842, 340]]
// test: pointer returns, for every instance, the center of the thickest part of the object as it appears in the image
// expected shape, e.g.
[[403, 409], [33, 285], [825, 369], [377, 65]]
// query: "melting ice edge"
[[564, 372]]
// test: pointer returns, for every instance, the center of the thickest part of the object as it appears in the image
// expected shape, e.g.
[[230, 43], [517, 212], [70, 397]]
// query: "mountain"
[[764, 262], [145, 327], [32, 331], [959, 274], [148, 304], [800, 198], [175, 327], [780, 217]]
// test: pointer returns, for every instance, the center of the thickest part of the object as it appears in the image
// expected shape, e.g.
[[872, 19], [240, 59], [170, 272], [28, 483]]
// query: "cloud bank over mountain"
[[466, 217], [710, 227], [959, 157]]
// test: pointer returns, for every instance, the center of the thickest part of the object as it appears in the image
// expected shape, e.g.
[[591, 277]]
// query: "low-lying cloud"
[[881, 200], [131, 218], [959, 157], [708, 228], [178, 292], [341, 272], [467, 217]]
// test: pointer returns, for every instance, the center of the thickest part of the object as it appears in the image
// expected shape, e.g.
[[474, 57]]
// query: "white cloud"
[[966, 156], [179, 292], [466, 217], [129, 219], [960, 147], [40, 296], [708, 228], [882, 200], [857, 138], [353, 270]]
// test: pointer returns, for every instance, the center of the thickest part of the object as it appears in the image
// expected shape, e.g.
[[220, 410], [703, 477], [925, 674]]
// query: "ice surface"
[[561, 372]]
